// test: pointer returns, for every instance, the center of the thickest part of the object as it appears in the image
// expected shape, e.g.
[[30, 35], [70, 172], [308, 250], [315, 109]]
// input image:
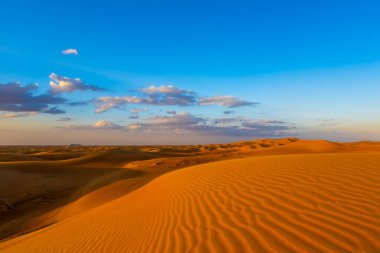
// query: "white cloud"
[[106, 103], [153, 95], [107, 125], [134, 127], [168, 95], [70, 51], [165, 89], [99, 125], [179, 119], [61, 84]]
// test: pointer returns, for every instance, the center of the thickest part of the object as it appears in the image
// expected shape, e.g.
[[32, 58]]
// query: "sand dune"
[[61, 181], [326, 202]]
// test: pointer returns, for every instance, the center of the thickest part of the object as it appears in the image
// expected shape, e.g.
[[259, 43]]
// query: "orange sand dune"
[[326, 202]]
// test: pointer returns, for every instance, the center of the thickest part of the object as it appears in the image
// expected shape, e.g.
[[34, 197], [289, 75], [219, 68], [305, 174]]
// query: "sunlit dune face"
[[251, 196]]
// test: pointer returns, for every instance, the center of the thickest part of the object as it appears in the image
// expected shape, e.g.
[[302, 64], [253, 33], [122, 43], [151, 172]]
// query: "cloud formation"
[[61, 84], [54, 110], [153, 95], [138, 110], [65, 119], [266, 128], [16, 115], [164, 89], [107, 103], [188, 123], [224, 121], [107, 125], [99, 125], [17, 98], [70, 51], [168, 96], [179, 119], [227, 101]]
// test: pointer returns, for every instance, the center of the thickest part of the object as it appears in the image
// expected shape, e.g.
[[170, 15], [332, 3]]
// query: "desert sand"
[[283, 195]]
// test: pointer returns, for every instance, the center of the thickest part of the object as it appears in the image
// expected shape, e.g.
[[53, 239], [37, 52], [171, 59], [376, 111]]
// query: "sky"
[[187, 72]]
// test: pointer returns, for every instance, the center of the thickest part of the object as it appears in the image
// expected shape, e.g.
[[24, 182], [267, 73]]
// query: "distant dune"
[[284, 195]]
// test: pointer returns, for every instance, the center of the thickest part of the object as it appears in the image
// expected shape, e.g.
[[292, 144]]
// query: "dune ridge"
[[290, 203], [62, 181]]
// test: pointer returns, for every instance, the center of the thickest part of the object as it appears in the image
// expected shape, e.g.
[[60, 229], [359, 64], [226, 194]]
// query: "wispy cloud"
[[227, 101], [68, 51], [153, 95], [16, 115], [107, 103], [80, 103], [99, 125], [224, 121], [65, 119], [179, 119], [168, 95], [107, 125], [138, 110], [61, 84], [188, 123]]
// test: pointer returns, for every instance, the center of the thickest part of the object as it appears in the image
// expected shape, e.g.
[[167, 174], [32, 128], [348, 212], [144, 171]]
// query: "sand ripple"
[[292, 203]]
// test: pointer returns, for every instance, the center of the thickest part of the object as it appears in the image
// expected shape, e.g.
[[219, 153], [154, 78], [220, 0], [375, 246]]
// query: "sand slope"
[[59, 182], [290, 203]]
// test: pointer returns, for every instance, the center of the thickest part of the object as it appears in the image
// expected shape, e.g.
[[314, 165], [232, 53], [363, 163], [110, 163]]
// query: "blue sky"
[[262, 68]]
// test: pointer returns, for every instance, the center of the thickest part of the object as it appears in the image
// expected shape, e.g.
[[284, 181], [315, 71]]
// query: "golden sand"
[[302, 196]]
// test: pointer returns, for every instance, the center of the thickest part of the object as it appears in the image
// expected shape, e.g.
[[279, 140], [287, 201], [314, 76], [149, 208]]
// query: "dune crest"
[[292, 203]]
